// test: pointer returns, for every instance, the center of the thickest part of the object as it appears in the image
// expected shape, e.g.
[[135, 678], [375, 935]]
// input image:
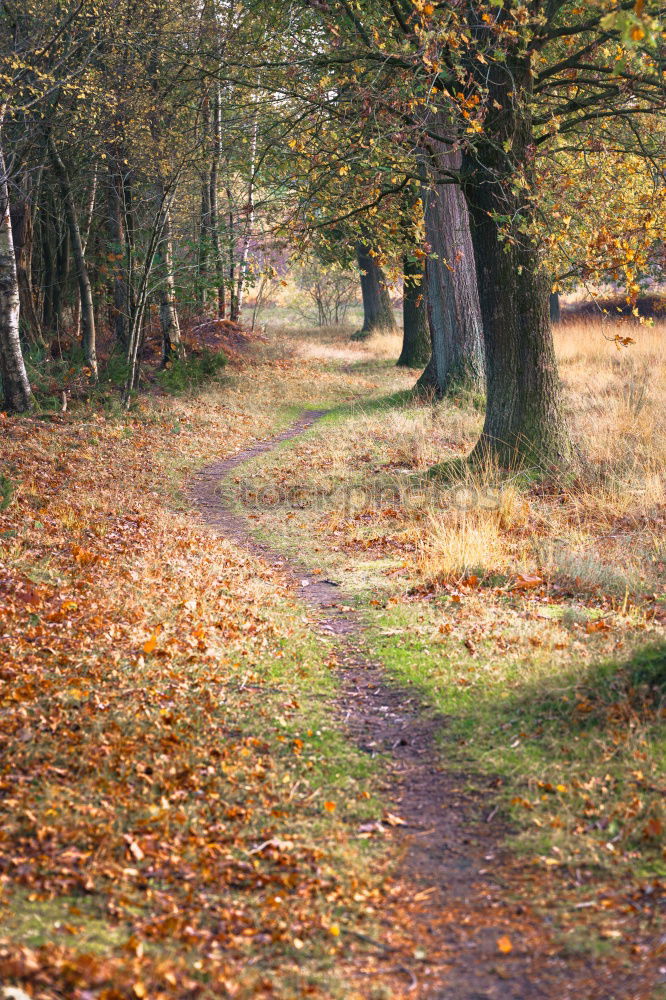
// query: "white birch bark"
[[15, 384]]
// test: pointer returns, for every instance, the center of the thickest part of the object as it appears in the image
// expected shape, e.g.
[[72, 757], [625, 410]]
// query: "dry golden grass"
[[603, 531], [600, 532]]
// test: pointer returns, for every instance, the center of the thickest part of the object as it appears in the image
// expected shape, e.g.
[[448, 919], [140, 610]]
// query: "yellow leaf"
[[139, 990], [504, 944], [335, 930], [394, 820], [329, 806]]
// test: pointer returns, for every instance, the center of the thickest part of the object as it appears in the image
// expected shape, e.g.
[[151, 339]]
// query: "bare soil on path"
[[459, 924]]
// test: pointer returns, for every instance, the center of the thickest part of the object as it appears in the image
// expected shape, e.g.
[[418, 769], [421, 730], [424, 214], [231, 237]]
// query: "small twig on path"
[[413, 981], [368, 940], [491, 815]]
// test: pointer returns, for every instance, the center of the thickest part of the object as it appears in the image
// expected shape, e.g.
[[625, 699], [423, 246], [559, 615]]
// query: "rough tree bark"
[[416, 346], [377, 308], [85, 291], [457, 362], [524, 423], [16, 391]]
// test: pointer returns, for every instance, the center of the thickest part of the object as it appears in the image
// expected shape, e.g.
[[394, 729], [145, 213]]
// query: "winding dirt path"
[[452, 890]]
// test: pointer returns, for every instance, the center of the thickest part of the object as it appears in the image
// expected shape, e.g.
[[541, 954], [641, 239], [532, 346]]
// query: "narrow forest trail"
[[464, 930]]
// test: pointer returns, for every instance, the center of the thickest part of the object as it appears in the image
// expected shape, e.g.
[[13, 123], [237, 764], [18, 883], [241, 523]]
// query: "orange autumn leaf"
[[653, 829], [329, 806], [598, 626], [525, 581], [504, 944], [149, 646]]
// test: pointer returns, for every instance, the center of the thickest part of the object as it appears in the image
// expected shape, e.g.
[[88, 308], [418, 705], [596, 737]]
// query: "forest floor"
[[281, 717]]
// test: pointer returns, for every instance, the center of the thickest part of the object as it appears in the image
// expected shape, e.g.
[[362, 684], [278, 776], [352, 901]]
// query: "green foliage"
[[181, 375], [115, 370], [7, 489]]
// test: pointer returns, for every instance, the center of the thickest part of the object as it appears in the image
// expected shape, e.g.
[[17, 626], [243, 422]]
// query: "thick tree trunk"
[[23, 236], [453, 302], [377, 308], [416, 347], [85, 291], [16, 391], [524, 424], [171, 342]]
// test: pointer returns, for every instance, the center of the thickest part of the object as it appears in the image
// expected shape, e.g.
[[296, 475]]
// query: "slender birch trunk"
[[16, 391], [237, 302], [205, 242], [85, 291], [214, 201], [231, 242], [23, 236], [120, 298], [85, 236], [171, 340], [139, 299]]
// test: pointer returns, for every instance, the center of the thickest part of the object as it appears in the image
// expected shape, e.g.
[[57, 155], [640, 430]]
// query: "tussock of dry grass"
[[600, 532]]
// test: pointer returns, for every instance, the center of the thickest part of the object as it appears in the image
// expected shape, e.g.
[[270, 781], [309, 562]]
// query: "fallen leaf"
[[653, 829], [504, 944], [599, 626], [525, 581], [149, 646]]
